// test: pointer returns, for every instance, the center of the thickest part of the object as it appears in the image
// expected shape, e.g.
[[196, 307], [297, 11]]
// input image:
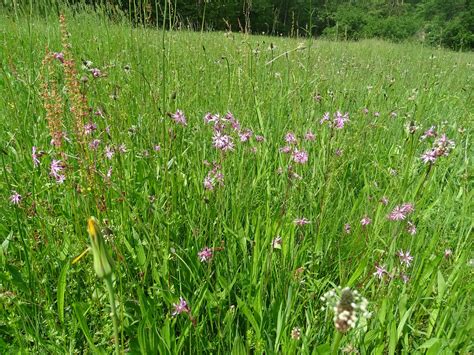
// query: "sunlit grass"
[[157, 215]]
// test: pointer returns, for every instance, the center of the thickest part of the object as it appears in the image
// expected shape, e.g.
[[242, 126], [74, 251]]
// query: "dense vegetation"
[[236, 182], [448, 23]]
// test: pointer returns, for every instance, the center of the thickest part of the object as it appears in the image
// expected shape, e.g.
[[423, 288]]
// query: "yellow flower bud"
[[103, 264]]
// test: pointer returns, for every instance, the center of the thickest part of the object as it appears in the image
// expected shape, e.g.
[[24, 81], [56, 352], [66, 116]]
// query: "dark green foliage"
[[435, 22]]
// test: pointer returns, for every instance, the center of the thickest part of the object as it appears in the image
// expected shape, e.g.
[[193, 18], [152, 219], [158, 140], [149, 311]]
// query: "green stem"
[[336, 342], [110, 289]]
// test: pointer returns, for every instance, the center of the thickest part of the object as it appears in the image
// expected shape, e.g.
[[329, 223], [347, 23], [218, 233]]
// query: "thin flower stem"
[[110, 289], [336, 342]]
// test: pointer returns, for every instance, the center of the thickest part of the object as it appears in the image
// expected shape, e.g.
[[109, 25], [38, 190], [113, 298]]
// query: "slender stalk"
[[336, 342], [110, 289]]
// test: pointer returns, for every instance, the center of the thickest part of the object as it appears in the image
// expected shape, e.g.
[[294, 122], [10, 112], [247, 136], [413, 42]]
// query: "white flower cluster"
[[348, 306]]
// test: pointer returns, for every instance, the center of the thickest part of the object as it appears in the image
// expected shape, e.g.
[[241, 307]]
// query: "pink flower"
[[34, 156], [15, 198], [431, 132], [208, 183], [365, 110], [411, 228], [244, 137], [290, 138], [340, 119], [301, 221], [286, 149], [259, 138], [405, 257], [56, 169], [229, 116], [407, 208], [122, 148], [365, 221], [400, 212], [300, 156], [338, 152], [109, 152], [94, 144], [157, 148], [205, 254], [325, 118], [210, 118], [397, 214], [309, 136], [380, 271], [96, 72], [89, 128], [214, 177], [179, 118], [180, 307], [429, 156], [59, 56], [443, 146], [347, 228], [448, 253], [223, 141]]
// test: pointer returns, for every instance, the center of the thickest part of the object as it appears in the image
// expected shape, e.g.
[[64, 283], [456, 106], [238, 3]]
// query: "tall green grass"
[[250, 296]]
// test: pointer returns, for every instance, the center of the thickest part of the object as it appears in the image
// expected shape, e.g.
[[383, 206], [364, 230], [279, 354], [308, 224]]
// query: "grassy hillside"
[[373, 200]]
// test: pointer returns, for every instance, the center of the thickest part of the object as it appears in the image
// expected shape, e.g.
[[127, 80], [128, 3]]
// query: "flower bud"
[[103, 264]]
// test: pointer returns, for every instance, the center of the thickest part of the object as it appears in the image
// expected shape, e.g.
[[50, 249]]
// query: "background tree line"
[[448, 23]]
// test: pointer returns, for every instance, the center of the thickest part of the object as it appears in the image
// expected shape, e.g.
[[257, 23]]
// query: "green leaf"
[[404, 319], [441, 286], [360, 269], [248, 314], [428, 344], [17, 278], [79, 313], [238, 347]]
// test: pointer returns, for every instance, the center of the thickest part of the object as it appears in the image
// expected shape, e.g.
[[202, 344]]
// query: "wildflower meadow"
[[172, 192]]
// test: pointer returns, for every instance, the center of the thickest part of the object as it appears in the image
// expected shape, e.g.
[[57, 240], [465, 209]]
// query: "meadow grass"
[[251, 294]]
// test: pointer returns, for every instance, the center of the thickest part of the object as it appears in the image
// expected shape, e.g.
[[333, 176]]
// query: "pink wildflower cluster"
[[205, 255], [224, 130], [214, 177], [441, 147], [89, 128], [338, 121], [405, 260], [56, 171], [299, 156]]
